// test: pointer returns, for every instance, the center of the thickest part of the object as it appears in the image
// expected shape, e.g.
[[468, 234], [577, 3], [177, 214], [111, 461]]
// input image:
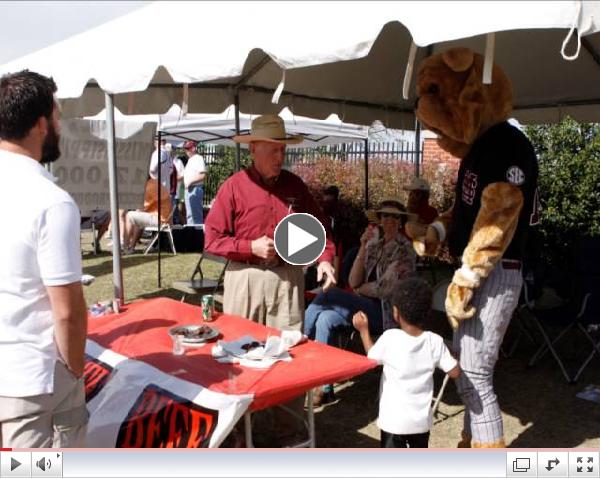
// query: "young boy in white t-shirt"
[[409, 356]]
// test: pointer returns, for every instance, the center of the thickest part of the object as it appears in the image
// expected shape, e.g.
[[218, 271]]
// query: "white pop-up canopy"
[[350, 58], [345, 58], [221, 128]]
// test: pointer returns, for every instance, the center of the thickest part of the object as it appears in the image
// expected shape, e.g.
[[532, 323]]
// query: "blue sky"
[[29, 26]]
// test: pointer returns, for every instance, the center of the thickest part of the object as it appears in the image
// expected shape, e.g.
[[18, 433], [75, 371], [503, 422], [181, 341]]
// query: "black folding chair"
[[198, 284], [580, 313]]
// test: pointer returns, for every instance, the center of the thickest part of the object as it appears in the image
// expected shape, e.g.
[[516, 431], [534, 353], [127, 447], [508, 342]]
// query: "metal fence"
[[221, 158], [384, 151]]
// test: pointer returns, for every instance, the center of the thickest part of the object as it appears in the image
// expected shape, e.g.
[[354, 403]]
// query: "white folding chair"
[[164, 227]]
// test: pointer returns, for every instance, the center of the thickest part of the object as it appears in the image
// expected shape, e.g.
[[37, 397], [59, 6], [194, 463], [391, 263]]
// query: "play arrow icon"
[[298, 239], [14, 464]]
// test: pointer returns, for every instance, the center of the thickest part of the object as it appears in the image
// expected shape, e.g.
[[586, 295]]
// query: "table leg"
[[308, 422], [310, 416], [248, 428]]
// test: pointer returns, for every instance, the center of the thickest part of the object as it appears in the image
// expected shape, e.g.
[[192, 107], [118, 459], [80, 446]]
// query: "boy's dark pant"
[[418, 440]]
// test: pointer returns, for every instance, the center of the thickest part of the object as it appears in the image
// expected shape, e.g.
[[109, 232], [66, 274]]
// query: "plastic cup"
[[178, 348]]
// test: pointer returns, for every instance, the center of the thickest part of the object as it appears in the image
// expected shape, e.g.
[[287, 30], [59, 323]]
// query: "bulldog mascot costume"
[[487, 227]]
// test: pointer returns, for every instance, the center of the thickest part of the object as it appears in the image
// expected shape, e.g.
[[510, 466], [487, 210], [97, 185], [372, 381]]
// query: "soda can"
[[208, 308]]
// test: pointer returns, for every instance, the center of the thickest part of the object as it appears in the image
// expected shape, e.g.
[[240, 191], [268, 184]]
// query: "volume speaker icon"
[[43, 464]]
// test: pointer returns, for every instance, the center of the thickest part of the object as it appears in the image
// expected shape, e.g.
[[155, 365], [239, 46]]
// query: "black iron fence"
[[220, 160]]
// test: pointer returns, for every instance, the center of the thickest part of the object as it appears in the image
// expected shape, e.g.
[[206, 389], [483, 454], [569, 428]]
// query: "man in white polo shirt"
[[43, 316], [193, 179]]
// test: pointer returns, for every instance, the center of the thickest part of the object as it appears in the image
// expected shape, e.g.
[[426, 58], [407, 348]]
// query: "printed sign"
[[95, 375], [161, 419], [135, 405], [82, 169]]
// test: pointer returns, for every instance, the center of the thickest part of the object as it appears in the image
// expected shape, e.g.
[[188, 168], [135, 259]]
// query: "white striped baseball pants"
[[478, 342]]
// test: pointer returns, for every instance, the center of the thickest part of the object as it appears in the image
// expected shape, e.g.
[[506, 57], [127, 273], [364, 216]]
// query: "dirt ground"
[[539, 408]]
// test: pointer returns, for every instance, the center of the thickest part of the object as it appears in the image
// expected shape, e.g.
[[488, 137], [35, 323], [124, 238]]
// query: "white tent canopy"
[[129, 125], [220, 129], [345, 58]]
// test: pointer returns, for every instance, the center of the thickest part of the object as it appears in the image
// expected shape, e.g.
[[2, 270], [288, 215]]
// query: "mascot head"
[[453, 101]]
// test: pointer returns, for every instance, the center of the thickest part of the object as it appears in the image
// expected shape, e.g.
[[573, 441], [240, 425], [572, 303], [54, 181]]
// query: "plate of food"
[[194, 334]]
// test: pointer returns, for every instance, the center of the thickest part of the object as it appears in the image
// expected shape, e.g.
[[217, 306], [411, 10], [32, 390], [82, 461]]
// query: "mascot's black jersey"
[[501, 154]]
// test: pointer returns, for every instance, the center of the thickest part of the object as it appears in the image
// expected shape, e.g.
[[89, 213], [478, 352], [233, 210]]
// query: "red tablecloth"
[[140, 333]]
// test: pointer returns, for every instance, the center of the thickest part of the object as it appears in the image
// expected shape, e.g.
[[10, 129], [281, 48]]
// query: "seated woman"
[[379, 264]]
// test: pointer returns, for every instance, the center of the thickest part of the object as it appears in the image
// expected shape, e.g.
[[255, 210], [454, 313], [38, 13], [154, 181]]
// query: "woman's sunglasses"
[[390, 214]]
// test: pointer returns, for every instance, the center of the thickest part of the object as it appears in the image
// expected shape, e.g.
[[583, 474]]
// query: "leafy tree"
[[221, 165], [569, 185]]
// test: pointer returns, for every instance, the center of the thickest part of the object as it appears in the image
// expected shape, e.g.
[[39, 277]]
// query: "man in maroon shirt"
[[259, 285], [418, 201]]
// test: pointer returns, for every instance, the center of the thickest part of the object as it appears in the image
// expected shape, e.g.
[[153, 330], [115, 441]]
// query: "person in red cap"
[[194, 176], [418, 201]]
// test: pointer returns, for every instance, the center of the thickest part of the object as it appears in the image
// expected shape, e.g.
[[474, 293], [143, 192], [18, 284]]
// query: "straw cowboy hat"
[[392, 206], [268, 128]]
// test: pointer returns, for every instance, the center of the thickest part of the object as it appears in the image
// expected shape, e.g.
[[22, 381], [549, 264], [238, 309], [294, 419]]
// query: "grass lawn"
[[539, 408]]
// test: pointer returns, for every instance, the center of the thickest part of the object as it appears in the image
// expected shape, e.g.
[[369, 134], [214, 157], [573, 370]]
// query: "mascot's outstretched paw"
[[458, 305], [415, 230], [428, 244]]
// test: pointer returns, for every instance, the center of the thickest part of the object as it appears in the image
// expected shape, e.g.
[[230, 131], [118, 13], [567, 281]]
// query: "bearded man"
[[43, 318]]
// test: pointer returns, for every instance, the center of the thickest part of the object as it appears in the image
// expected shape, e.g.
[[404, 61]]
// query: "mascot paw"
[[419, 246], [458, 305], [415, 230], [429, 244]]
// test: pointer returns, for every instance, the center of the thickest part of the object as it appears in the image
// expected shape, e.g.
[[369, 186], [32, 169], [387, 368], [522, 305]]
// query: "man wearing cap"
[[194, 175], [241, 225], [418, 201]]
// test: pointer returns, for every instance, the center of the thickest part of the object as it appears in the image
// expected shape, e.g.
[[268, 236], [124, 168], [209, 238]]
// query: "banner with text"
[[82, 169], [134, 405]]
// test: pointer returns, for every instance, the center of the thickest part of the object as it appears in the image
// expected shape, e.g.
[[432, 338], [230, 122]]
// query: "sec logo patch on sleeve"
[[515, 175]]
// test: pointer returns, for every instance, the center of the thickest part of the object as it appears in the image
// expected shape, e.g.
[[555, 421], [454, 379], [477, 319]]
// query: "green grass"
[[140, 273], [539, 408]]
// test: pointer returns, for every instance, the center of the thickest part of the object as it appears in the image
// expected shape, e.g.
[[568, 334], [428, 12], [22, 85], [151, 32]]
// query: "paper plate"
[[194, 333]]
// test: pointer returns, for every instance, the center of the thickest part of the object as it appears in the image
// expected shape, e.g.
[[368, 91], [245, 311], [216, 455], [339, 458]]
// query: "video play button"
[[15, 464], [299, 239]]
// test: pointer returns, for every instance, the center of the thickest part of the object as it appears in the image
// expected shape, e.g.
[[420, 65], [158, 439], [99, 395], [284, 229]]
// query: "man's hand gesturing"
[[263, 247]]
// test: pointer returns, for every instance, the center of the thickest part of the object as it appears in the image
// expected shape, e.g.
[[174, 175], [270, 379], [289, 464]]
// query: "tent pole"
[[238, 147], [417, 147], [159, 151], [366, 174], [114, 199]]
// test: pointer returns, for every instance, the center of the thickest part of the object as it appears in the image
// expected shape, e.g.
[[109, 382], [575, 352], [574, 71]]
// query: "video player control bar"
[[149, 463]]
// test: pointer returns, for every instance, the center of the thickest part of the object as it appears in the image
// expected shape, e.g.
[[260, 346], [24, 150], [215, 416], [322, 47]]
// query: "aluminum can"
[[208, 308]]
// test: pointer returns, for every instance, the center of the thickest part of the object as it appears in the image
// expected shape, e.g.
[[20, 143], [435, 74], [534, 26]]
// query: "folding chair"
[[581, 311], [164, 227], [92, 223], [198, 284]]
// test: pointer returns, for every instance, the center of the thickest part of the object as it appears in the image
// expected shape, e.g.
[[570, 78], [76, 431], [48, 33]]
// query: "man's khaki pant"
[[272, 297], [54, 420], [275, 298]]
